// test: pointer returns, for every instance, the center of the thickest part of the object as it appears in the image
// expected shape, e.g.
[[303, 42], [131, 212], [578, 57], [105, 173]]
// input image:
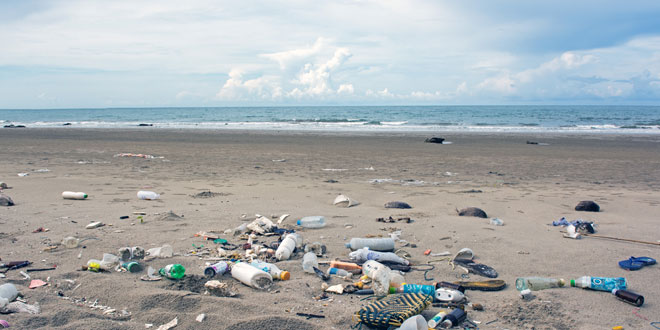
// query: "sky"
[[172, 53]]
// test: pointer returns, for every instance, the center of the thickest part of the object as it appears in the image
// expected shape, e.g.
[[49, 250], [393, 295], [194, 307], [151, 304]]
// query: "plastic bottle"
[[132, 267], [315, 221], [345, 265], [70, 242], [109, 261], [8, 293], [374, 244], [600, 283], [454, 318], [273, 270], [173, 271], [414, 288], [448, 295], [310, 261], [251, 276], [365, 254], [396, 279], [93, 265], [370, 267], [338, 272], [437, 319], [381, 281], [216, 269], [538, 283], [73, 195], [288, 245], [629, 297], [148, 195]]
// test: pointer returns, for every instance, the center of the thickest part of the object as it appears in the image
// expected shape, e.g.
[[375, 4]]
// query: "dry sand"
[[527, 186]]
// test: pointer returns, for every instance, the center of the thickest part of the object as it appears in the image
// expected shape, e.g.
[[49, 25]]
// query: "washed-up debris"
[[438, 140], [6, 200], [587, 206], [345, 201], [200, 318], [208, 194], [220, 289], [96, 224], [145, 156], [471, 191], [3, 185], [37, 283], [472, 212], [393, 220], [169, 325], [397, 205], [20, 307]]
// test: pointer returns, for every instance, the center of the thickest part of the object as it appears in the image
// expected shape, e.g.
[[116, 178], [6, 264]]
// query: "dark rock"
[[14, 126], [434, 140], [587, 206], [145, 125], [397, 205], [6, 200], [532, 142], [472, 212], [66, 124]]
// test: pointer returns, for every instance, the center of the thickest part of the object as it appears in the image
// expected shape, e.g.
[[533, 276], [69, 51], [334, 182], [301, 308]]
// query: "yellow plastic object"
[[618, 327]]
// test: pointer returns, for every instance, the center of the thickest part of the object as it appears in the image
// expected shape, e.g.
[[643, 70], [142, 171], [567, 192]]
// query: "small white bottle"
[[316, 221], [286, 248], [310, 261], [374, 244], [73, 195], [148, 195], [251, 276]]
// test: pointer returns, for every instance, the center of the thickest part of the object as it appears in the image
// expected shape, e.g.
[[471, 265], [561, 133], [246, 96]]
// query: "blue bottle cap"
[[298, 222], [332, 271]]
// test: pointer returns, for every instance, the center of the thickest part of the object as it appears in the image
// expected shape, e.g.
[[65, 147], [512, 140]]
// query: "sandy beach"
[[274, 173]]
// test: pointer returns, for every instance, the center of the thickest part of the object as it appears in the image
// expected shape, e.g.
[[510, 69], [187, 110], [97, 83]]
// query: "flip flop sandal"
[[629, 264], [490, 285], [479, 269], [645, 260]]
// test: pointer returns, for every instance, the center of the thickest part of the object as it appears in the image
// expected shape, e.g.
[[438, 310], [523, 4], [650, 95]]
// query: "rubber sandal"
[[490, 285], [479, 269], [645, 260], [629, 264]]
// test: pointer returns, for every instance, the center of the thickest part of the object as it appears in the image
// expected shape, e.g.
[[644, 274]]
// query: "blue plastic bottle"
[[600, 283], [414, 288]]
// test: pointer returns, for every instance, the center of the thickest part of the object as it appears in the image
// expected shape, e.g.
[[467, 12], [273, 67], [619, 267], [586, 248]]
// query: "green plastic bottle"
[[173, 271]]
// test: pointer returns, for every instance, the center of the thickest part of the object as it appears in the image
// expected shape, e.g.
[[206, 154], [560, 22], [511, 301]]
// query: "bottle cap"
[[572, 282], [298, 222], [392, 290], [84, 195], [332, 271], [348, 245], [285, 276], [562, 282]]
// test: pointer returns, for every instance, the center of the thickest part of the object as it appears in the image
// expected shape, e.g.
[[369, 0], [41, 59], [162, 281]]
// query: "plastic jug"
[[73, 195], [316, 221], [251, 276], [310, 261], [147, 195], [374, 244]]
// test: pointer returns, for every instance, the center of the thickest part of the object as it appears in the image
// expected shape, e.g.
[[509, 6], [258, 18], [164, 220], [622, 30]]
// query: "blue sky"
[[60, 54]]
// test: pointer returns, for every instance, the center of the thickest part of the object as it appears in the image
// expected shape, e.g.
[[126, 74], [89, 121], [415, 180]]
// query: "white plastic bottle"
[[369, 267], [286, 248], [148, 195], [251, 276], [273, 270], [365, 254], [316, 221], [8, 293], [310, 261], [381, 282], [448, 295], [73, 195], [338, 272], [374, 244]]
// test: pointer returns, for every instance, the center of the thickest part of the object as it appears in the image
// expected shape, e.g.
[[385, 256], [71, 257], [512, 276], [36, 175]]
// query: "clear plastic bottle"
[[365, 254], [600, 283], [338, 272], [8, 293], [414, 288], [273, 270], [310, 261], [538, 283], [148, 195], [73, 195], [374, 244], [218, 268], [316, 221], [70, 242], [109, 261], [173, 271]]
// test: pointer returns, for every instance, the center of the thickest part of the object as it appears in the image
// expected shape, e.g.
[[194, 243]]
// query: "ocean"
[[592, 119]]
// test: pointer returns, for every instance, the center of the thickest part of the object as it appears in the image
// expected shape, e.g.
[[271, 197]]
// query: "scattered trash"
[[96, 224], [397, 205], [169, 325], [74, 195], [251, 276], [438, 140], [40, 230], [496, 222], [37, 283], [173, 271], [587, 206], [164, 251], [6, 200], [629, 297], [312, 222], [538, 283], [136, 155], [4, 324], [345, 201], [200, 318], [219, 289], [3, 185], [634, 263], [600, 283], [374, 244], [147, 195]]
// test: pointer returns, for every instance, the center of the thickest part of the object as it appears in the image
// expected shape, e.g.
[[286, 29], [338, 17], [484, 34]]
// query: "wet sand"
[[274, 173]]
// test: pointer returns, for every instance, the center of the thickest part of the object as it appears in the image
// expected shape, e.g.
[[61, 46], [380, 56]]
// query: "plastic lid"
[[572, 282], [562, 282], [392, 290], [298, 222], [84, 195], [285, 276]]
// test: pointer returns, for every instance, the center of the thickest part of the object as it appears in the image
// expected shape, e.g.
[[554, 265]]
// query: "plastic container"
[[365, 254], [132, 267], [316, 221], [396, 279], [147, 195], [448, 295], [374, 244], [173, 271], [381, 281], [216, 269], [8, 293], [370, 267], [496, 222], [70, 242], [109, 261], [538, 283], [416, 322], [338, 272], [164, 251], [437, 319], [273, 270], [456, 317], [309, 261], [414, 288], [629, 297], [345, 265], [94, 265], [600, 283], [287, 246], [251, 276], [73, 195]]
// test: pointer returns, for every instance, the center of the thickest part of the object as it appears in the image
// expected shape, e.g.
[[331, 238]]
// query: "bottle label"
[[607, 283]]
